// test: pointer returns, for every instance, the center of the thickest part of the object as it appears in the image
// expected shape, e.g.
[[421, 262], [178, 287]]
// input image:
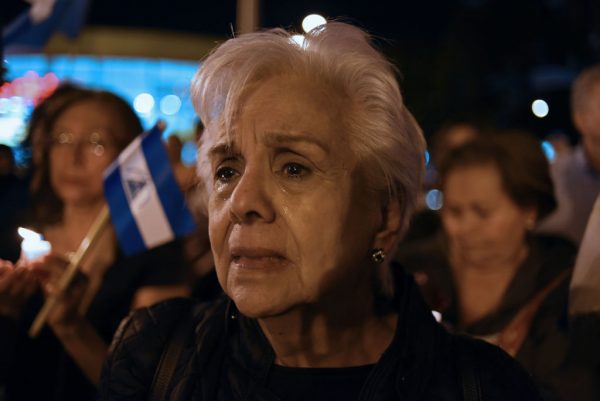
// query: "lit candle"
[[33, 245]]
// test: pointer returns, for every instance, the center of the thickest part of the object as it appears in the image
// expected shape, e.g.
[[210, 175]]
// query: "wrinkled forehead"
[[281, 104]]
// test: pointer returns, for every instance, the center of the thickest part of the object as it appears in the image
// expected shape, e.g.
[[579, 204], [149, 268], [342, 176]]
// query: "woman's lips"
[[72, 180], [257, 258]]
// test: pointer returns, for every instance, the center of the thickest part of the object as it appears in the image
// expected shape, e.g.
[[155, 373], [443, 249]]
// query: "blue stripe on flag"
[[174, 205], [128, 234], [22, 35]]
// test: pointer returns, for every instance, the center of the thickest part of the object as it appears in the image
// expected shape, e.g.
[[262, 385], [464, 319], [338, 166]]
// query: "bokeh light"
[[312, 21], [549, 151], [170, 104], [540, 108], [189, 153], [143, 103], [434, 199], [298, 39]]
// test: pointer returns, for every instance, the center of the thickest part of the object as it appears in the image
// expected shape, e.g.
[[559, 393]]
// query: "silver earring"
[[378, 255]]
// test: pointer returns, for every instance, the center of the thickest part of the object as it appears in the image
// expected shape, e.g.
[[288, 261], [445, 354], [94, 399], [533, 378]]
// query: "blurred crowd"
[[495, 262], [74, 135]]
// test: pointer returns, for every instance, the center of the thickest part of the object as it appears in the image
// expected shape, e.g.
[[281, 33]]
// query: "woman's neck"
[[481, 287], [348, 333], [593, 159], [499, 265], [66, 236]]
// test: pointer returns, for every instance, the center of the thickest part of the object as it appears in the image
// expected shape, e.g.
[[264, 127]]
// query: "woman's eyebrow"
[[278, 139], [222, 149]]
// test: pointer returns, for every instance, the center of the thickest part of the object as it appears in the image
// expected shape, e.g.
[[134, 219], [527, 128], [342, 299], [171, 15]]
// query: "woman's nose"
[[458, 226], [251, 199], [467, 225], [78, 149]]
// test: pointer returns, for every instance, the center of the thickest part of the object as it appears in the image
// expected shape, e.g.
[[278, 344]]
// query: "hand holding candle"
[[33, 245], [16, 287], [69, 274]]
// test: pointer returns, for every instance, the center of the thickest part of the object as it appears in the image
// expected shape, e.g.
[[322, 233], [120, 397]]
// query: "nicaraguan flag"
[[30, 31], [147, 208]]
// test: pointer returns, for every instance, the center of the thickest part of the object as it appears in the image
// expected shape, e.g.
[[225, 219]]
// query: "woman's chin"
[[258, 307], [479, 259], [80, 200]]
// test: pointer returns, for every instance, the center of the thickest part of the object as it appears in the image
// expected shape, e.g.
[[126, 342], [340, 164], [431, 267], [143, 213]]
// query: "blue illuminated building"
[[164, 86]]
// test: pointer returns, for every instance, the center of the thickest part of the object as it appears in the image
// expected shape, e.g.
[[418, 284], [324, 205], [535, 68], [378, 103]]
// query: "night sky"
[[458, 59]]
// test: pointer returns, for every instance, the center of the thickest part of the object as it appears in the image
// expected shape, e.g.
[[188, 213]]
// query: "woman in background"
[[74, 145], [489, 274]]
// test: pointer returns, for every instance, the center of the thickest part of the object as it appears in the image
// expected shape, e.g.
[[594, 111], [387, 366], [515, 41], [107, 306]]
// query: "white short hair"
[[382, 133]]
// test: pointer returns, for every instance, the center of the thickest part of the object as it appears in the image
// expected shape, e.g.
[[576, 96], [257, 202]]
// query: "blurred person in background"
[[203, 279], [311, 165], [13, 201], [490, 275], [15, 193], [184, 174], [78, 135], [7, 162], [576, 174], [36, 125], [450, 135], [560, 142]]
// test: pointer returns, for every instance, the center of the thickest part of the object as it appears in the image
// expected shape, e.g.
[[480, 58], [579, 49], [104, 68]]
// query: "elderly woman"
[[311, 165], [489, 274]]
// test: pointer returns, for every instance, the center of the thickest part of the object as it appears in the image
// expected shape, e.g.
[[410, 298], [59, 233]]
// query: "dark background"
[[476, 59]]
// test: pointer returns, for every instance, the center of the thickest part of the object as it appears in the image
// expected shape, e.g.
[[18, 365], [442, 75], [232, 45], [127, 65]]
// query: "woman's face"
[[83, 145], [483, 224], [290, 223], [587, 121]]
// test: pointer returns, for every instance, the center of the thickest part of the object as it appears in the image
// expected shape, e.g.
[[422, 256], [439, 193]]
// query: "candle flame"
[[29, 234]]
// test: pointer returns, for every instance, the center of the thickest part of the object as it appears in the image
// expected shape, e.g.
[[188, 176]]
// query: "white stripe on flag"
[[144, 202]]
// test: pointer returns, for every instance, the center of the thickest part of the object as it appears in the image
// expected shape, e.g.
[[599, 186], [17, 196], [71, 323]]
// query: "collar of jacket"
[[404, 369]]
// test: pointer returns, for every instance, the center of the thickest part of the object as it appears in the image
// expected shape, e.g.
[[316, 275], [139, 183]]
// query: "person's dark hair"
[[7, 154], [520, 161], [443, 139], [45, 109], [7, 151], [47, 207]]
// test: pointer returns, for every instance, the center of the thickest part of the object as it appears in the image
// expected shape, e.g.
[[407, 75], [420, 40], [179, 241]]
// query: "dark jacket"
[[550, 349], [40, 368], [227, 357]]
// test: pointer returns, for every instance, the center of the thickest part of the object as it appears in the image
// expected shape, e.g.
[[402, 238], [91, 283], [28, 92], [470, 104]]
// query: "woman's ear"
[[388, 235], [531, 218], [580, 121]]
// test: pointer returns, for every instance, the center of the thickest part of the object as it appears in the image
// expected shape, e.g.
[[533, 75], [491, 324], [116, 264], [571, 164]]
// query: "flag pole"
[[90, 239]]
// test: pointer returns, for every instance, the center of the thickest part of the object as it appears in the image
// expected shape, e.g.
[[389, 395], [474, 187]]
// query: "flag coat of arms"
[[147, 207]]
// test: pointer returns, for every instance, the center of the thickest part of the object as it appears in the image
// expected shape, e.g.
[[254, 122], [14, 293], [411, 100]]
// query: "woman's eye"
[[295, 170], [452, 211], [224, 174], [483, 214], [481, 211]]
